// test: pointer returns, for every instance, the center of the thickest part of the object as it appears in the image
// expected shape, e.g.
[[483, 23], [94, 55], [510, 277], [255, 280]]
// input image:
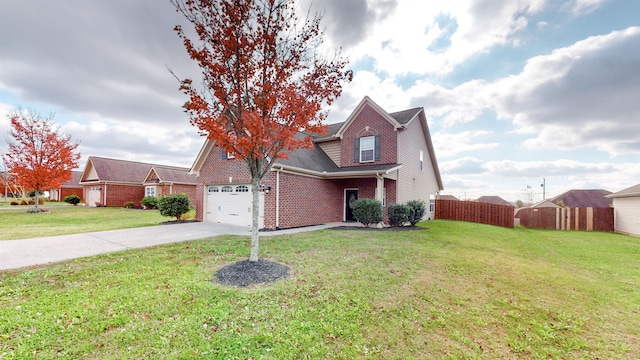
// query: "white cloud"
[[448, 145], [401, 43], [138, 142], [582, 7], [462, 104], [583, 95]]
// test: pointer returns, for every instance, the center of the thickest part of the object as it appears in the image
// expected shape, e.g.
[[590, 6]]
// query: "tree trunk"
[[255, 215], [37, 196]]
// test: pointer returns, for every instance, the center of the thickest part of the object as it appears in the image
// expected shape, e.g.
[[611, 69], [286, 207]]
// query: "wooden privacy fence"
[[473, 211], [589, 219]]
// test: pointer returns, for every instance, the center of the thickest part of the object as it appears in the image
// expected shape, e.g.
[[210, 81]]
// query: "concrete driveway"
[[38, 251]]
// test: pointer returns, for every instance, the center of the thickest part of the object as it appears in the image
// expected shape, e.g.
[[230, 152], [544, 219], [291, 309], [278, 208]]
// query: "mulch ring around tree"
[[244, 273]]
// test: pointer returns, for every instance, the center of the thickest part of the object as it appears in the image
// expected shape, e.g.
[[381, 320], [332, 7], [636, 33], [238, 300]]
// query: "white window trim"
[[372, 149], [150, 193]]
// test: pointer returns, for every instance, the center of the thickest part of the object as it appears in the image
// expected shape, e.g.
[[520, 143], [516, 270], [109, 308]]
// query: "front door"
[[350, 197]]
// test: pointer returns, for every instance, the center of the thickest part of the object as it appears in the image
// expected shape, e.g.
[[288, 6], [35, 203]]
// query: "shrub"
[[129, 205], [417, 211], [398, 214], [149, 202], [72, 199], [174, 205], [367, 211]]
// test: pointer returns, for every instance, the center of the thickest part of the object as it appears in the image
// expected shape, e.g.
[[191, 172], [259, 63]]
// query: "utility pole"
[[544, 188]]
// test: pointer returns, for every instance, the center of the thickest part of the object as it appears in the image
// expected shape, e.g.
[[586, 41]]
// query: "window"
[[367, 147], [150, 191], [432, 203], [227, 188], [421, 160], [242, 188], [213, 189]]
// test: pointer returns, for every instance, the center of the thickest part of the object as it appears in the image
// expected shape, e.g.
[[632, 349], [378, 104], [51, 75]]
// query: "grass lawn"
[[16, 223], [456, 290]]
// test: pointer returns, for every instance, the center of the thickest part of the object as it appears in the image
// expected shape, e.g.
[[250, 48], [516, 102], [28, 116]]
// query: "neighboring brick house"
[[71, 187], [112, 182], [373, 154]]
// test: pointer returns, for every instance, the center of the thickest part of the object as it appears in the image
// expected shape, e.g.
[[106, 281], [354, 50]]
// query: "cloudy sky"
[[515, 91]]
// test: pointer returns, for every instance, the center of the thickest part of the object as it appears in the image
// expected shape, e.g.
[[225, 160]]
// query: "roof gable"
[[114, 170], [366, 102], [170, 174]]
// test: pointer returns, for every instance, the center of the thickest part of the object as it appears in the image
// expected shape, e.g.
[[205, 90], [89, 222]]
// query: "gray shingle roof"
[[76, 176], [169, 174], [126, 171], [630, 191], [584, 198], [403, 117], [495, 200]]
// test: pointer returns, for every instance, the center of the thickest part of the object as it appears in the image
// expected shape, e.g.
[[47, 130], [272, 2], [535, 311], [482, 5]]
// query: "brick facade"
[[370, 123], [303, 200], [189, 190], [117, 195]]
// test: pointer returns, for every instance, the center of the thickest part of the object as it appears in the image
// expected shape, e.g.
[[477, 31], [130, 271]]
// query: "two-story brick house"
[[373, 154]]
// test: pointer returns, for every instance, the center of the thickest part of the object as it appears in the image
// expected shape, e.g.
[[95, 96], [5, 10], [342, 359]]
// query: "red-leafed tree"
[[263, 80], [39, 157]]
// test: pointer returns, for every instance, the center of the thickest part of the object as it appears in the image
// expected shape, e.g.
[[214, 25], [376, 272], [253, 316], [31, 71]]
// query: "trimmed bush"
[[72, 199], [129, 205], [174, 205], [367, 211], [149, 202], [398, 214], [417, 211]]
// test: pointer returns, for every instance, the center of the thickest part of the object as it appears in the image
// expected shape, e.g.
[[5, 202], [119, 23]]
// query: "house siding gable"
[[414, 184], [627, 215], [332, 149], [369, 123]]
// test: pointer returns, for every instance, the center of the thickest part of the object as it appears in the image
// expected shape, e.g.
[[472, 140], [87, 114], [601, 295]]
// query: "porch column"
[[379, 187]]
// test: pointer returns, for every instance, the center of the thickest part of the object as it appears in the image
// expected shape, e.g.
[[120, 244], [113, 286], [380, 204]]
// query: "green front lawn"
[[17, 223], [456, 290]]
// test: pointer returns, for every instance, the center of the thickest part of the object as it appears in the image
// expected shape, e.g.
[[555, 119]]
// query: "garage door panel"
[[230, 206]]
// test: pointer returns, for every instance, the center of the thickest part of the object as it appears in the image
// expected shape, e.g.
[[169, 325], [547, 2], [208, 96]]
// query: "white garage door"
[[231, 204], [93, 196]]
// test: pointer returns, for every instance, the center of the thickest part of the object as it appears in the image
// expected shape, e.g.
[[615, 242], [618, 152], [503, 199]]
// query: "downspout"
[[278, 198], [104, 195]]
